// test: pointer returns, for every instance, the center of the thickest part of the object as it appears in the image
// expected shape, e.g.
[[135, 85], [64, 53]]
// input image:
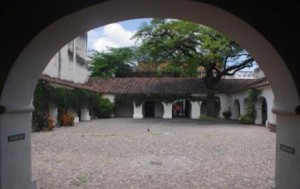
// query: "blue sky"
[[114, 35]]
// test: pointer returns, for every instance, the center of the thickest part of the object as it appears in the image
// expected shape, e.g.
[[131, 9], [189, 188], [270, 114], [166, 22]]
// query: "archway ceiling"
[[22, 20]]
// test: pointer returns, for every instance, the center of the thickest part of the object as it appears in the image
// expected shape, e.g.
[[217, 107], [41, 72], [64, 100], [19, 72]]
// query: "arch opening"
[[18, 90], [236, 112]]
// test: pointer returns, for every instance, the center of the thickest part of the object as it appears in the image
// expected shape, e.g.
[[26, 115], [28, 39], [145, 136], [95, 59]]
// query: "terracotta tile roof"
[[65, 83], [149, 85], [235, 85], [152, 85]]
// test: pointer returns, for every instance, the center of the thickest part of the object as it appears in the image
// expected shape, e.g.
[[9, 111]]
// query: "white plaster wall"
[[267, 93], [52, 67], [224, 103], [66, 67], [110, 97], [158, 110], [241, 96]]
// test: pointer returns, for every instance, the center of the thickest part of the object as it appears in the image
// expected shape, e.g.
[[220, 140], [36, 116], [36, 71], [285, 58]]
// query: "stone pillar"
[[76, 118], [85, 114], [224, 104], [167, 110], [258, 119], [53, 112], [137, 111], [15, 130], [195, 110], [287, 151]]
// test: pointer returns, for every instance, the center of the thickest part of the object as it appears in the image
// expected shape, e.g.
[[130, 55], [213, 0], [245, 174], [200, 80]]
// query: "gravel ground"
[[178, 154]]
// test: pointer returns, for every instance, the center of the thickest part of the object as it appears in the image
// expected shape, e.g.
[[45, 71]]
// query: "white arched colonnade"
[[17, 93]]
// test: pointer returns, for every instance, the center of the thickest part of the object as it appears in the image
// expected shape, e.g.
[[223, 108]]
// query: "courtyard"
[[126, 153]]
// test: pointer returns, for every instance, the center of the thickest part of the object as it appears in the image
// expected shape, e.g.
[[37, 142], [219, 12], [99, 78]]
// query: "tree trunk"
[[210, 103]]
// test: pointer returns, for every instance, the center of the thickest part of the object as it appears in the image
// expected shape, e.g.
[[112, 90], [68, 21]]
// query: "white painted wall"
[[224, 103], [69, 63], [242, 96], [158, 109], [110, 97]]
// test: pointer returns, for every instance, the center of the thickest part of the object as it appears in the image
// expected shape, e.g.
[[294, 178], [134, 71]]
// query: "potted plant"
[[51, 123], [227, 114]]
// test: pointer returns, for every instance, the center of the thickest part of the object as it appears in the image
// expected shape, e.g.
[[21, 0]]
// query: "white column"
[[224, 104], [85, 114], [258, 119], [167, 110], [137, 111], [15, 129], [53, 112], [195, 110], [288, 141]]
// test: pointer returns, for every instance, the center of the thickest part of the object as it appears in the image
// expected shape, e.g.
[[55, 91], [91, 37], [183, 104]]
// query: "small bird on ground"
[[148, 130]]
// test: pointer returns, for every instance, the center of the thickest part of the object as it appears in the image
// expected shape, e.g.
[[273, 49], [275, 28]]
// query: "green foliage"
[[184, 43], [227, 114], [63, 98], [118, 62], [105, 108], [42, 97], [246, 119], [187, 46], [205, 118], [250, 116], [167, 98]]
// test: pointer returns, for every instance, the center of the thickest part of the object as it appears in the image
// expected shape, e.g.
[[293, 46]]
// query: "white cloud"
[[112, 35]]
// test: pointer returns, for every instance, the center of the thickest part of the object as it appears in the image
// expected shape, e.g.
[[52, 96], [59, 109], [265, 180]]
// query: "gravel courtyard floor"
[[179, 154]]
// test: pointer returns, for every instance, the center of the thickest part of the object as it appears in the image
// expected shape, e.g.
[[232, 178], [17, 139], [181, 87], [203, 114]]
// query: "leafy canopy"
[[118, 62]]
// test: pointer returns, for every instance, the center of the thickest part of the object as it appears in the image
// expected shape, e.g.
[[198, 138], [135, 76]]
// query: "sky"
[[114, 35]]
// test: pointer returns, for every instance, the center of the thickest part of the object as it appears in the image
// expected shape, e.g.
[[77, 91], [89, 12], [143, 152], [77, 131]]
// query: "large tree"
[[191, 45], [116, 62]]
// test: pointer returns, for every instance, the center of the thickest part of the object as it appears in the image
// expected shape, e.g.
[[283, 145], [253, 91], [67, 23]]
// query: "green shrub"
[[246, 119], [39, 121], [250, 116], [205, 118], [105, 108], [227, 114]]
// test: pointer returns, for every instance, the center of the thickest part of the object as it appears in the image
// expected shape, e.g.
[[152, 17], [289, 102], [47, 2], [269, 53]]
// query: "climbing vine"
[[167, 98], [63, 98], [250, 116]]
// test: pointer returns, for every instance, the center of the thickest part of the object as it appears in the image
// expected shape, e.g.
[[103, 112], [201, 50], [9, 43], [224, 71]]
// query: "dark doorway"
[[264, 112], [149, 108], [181, 108]]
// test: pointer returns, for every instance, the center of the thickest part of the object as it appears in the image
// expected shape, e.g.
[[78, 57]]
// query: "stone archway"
[[17, 93]]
